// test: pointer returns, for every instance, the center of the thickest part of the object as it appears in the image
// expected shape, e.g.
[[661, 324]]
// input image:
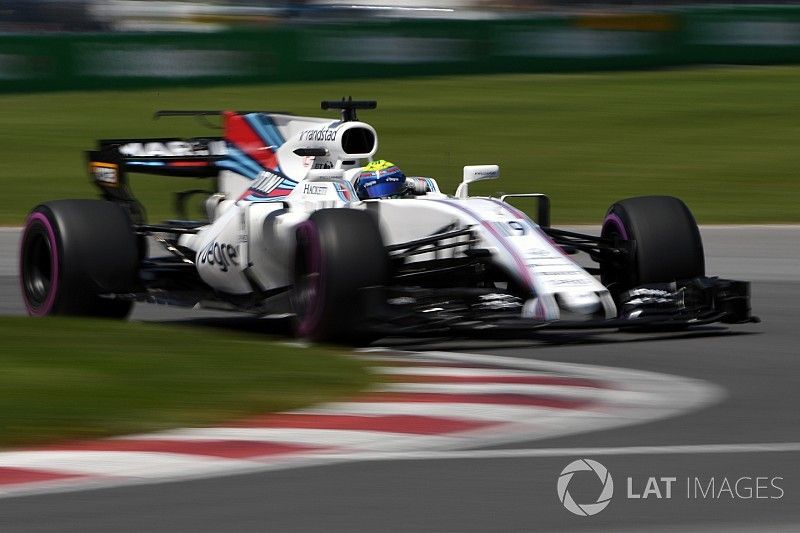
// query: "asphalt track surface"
[[513, 487]]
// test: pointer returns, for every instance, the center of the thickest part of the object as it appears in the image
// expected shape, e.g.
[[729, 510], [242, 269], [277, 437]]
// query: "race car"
[[305, 223]]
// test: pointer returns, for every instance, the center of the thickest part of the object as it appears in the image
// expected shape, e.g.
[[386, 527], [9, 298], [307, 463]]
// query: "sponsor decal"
[[570, 282], [165, 149], [105, 173], [318, 135], [315, 189], [221, 255], [537, 252], [483, 174]]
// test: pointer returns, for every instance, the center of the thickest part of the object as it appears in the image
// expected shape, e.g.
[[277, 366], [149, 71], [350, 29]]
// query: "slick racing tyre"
[[666, 243], [74, 251], [339, 253]]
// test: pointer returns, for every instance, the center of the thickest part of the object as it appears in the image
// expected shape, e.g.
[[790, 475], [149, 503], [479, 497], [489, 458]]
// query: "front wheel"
[[339, 253], [664, 241], [73, 254]]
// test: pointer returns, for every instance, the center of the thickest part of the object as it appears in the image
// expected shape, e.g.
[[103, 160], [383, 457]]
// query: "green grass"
[[70, 378], [724, 139]]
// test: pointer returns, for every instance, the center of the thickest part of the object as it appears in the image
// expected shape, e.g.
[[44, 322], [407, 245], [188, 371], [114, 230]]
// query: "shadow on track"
[[243, 324], [281, 328]]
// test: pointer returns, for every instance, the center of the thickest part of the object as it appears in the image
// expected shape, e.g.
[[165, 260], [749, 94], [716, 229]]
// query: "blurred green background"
[[723, 139]]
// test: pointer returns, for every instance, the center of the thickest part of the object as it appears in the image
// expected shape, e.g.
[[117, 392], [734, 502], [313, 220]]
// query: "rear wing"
[[113, 159], [247, 151], [192, 158]]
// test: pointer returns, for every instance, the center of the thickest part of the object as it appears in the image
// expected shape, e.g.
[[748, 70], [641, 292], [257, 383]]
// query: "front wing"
[[484, 313]]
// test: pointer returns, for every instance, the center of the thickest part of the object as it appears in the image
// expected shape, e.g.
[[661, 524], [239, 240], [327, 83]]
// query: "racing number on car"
[[517, 228]]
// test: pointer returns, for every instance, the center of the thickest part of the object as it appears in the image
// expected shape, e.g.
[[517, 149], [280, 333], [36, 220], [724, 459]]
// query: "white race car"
[[304, 223]]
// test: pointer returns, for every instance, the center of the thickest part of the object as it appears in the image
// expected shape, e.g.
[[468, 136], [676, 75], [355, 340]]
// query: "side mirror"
[[476, 173]]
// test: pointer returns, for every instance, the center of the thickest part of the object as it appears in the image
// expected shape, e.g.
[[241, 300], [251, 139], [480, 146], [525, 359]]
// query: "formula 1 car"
[[287, 235]]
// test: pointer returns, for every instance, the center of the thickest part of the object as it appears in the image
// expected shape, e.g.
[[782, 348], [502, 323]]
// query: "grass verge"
[[723, 139], [70, 378]]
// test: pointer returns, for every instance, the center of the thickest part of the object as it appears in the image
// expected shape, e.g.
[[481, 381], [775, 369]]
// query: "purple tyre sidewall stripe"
[[613, 219], [309, 232], [49, 302]]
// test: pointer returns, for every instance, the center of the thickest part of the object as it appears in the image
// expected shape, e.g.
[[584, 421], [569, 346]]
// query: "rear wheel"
[[72, 253], [666, 244], [339, 253]]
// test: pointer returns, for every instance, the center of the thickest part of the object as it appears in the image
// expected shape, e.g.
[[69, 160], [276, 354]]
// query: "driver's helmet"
[[380, 179]]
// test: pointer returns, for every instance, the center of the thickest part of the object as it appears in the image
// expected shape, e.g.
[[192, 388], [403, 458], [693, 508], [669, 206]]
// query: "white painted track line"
[[688, 449]]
